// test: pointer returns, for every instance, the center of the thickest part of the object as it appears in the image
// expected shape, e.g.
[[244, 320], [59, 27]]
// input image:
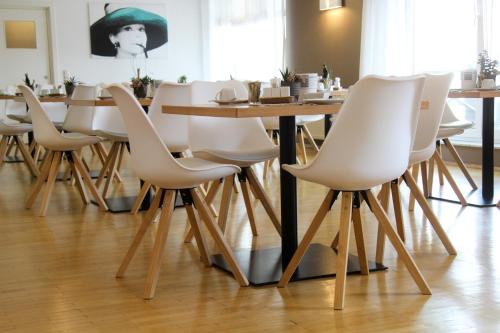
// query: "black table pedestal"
[[263, 267]]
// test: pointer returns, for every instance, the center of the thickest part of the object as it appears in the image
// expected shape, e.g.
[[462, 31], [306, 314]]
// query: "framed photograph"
[[127, 31]]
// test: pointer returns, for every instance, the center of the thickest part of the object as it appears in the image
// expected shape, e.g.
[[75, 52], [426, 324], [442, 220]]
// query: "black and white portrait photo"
[[121, 30]]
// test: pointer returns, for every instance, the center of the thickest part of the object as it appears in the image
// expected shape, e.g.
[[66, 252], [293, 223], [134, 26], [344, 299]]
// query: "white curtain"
[[244, 39], [404, 37]]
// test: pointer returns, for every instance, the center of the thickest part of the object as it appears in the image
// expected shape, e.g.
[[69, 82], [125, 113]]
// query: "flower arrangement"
[[69, 85], [140, 84], [488, 67], [288, 76]]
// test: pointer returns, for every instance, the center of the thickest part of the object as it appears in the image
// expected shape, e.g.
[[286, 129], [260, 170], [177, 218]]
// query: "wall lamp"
[[331, 4]]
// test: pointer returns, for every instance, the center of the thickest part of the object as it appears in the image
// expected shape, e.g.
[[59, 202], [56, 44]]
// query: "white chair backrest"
[[435, 92], [108, 119], [224, 133], [43, 129], [80, 118], [371, 139], [173, 129], [448, 115], [150, 157], [56, 111], [13, 107]]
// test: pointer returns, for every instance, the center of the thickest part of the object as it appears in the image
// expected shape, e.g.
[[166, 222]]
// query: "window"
[[412, 36], [244, 38]]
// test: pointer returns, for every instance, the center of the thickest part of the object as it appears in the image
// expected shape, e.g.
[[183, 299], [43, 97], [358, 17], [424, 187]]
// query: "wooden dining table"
[[264, 266], [488, 194]]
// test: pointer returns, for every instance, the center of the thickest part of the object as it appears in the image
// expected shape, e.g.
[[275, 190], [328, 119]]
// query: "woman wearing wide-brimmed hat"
[[127, 33]]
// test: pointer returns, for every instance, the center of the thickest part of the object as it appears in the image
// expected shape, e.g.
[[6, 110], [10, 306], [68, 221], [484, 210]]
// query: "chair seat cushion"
[[201, 171], [113, 136], [14, 129], [241, 158], [71, 141], [302, 120], [462, 124], [448, 132], [20, 118]]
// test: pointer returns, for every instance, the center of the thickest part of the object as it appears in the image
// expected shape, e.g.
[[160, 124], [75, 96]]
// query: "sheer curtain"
[[411, 36], [244, 38]]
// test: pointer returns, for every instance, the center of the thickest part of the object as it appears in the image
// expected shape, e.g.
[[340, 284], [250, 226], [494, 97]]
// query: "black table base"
[[473, 198], [263, 267], [124, 204]]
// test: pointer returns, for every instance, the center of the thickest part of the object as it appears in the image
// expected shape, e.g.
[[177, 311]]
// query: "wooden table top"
[[259, 110], [105, 102], [248, 111], [474, 93], [6, 97]]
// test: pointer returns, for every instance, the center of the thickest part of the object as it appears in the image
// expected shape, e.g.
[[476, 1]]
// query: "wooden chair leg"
[[310, 138], [86, 179], [460, 163], [79, 183], [219, 239], [423, 171], [308, 236], [225, 202], [302, 145], [449, 178], [3, 148], [140, 198], [414, 173], [384, 200], [440, 171], [11, 144], [211, 194], [398, 211], [44, 173], [54, 168], [343, 251], [120, 158], [430, 176], [159, 245], [112, 169], [248, 203], [358, 234], [201, 242], [261, 194], [28, 160], [106, 165], [398, 244], [429, 214], [146, 222]]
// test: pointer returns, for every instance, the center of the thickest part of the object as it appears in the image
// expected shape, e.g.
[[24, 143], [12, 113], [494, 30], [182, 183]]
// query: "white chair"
[[424, 149], [57, 144], [152, 161], [108, 124], [243, 142], [378, 119], [451, 126], [14, 133], [173, 129], [80, 119], [271, 124]]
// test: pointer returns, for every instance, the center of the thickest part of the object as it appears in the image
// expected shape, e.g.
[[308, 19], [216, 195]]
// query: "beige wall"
[[315, 37]]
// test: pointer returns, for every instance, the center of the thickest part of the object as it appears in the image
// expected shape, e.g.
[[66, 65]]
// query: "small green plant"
[[71, 81], [28, 82], [140, 81], [488, 67], [182, 79], [288, 76]]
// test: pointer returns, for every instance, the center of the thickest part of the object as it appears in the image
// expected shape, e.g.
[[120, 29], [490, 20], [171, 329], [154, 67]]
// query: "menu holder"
[[277, 100]]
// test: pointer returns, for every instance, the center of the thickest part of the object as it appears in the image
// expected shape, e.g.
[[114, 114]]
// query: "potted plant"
[[182, 79], [289, 79], [69, 85], [28, 82], [140, 84], [488, 70]]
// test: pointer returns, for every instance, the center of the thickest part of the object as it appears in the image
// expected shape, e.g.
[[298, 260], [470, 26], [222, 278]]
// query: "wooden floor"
[[57, 272]]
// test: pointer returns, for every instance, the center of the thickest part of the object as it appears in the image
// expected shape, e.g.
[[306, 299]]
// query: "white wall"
[[71, 42]]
